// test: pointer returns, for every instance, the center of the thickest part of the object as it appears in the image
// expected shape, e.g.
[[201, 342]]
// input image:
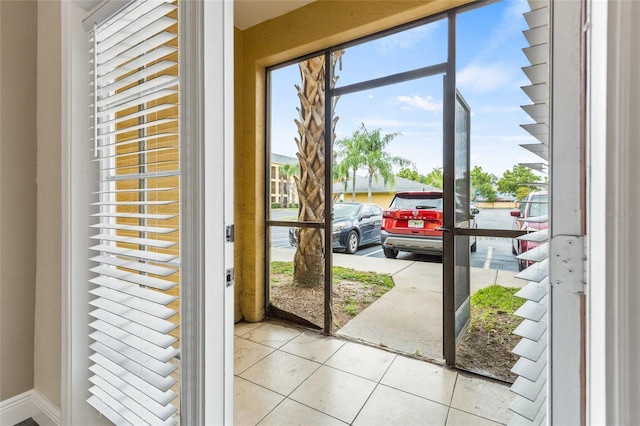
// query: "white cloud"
[[480, 78], [427, 103], [405, 39]]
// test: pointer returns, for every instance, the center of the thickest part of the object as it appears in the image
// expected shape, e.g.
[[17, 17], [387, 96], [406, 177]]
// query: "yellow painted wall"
[[316, 26], [381, 199]]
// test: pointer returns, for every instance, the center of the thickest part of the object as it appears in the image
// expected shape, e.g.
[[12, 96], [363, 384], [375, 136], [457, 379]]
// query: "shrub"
[[276, 205]]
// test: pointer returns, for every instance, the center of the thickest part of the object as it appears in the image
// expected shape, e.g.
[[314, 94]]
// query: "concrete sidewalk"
[[408, 318]]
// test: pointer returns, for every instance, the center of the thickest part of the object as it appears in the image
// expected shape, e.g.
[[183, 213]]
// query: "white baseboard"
[[30, 404], [15, 410]]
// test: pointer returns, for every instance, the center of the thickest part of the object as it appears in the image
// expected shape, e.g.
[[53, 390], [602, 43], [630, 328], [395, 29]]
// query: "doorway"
[[347, 87]]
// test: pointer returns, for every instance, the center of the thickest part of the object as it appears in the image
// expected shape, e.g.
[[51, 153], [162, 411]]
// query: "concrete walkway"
[[408, 318]]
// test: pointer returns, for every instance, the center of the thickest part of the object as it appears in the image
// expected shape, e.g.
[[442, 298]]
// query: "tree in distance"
[[519, 181], [366, 149]]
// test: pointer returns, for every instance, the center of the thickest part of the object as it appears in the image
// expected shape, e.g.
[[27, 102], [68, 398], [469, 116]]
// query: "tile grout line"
[[374, 388]]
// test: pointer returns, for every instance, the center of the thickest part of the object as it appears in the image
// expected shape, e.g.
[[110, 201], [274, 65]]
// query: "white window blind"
[[531, 387], [135, 334]]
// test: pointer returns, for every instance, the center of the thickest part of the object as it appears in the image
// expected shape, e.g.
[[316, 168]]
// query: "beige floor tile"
[[251, 402], [334, 392], [421, 378], [292, 413], [273, 335], [247, 353], [460, 418], [361, 360], [281, 372], [483, 398], [312, 346], [388, 406], [242, 328]]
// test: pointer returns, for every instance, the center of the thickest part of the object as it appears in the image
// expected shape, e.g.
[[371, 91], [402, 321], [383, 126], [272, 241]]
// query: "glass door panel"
[[463, 216], [296, 192]]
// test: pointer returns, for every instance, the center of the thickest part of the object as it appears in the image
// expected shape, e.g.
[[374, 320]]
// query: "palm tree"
[[286, 171], [351, 150], [340, 174], [377, 161], [308, 268]]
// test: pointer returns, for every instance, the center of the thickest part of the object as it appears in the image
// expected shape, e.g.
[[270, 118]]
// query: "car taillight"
[[386, 214]]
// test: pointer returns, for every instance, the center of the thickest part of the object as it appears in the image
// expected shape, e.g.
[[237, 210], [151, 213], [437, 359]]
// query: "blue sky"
[[489, 76]]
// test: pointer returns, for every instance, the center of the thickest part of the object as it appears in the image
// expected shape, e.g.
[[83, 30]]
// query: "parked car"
[[535, 207], [411, 224], [354, 225]]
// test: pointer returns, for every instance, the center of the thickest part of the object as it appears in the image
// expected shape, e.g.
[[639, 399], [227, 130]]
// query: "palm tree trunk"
[[353, 186], [309, 258]]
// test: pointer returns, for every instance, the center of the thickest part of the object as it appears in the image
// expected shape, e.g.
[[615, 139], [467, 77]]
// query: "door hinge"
[[230, 277], [567, 263], [231, 233]]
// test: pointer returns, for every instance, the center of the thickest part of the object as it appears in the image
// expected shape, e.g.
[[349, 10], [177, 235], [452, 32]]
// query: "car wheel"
[[474, 246], [352, 242], [390, 253]]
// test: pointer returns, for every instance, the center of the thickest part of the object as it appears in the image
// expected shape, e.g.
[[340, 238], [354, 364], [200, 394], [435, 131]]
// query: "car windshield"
[[417, 202], [345, 210]]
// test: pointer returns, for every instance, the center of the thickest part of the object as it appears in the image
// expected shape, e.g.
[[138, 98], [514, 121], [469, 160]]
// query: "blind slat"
[[135, 33], [163, 383], [136, 51], [146, 320], [136, 266], [136, 329], [150, 87], [159, 53], [134, 290], [134, 253], [126, 117], [107, 368], [145, 125], [135, 407], [162, 368], [137, 241], [107, 111], [150, 308], [157, 352], [123, 227], [106, 410], [144, 280]]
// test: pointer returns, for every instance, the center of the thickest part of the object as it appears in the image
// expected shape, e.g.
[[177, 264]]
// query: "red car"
[[410, 224], [535, 208]]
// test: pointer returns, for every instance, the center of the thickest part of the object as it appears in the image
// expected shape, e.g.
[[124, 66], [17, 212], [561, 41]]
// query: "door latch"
[[230, 277], [230, 233]]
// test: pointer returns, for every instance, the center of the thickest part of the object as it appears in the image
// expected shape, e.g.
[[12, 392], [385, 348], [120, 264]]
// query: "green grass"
[[351, 307], [490, 301], [368, 279], [497, 297]]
